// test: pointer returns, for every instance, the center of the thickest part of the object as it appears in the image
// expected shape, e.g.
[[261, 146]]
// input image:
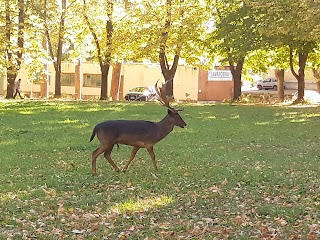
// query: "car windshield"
[[139, 89]]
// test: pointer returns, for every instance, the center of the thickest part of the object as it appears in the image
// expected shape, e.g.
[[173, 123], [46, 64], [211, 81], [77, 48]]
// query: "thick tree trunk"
[[104, 81], [168, 72], [279, 73], [115, 81], [57, 86], [236, 74], [169, 86], [303, 57], [301, 87], [11, 77]]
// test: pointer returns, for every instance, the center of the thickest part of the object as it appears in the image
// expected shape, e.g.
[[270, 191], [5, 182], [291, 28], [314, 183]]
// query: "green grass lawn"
[[235, 172]]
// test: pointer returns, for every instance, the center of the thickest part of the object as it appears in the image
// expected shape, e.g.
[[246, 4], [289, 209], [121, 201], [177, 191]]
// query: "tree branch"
[[94, 35], [291, 63]]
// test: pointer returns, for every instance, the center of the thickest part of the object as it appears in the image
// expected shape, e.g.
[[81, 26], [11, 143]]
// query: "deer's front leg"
[[153, 157], [133, 154], [107, 155], [95, 154]]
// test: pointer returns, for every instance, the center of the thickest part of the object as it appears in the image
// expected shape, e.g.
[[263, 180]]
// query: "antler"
[[162, 96]]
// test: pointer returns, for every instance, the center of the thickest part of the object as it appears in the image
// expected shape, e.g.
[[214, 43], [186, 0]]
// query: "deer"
[[136, 133]]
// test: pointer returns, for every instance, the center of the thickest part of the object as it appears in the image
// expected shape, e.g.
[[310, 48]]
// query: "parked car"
[[311, 96], [268, 83], [141, 94]]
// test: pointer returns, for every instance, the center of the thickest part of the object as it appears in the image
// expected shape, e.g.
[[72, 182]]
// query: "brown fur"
[[136, 133]]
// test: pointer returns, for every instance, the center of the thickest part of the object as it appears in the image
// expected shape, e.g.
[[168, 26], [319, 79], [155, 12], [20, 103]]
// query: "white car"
[[268, 83]]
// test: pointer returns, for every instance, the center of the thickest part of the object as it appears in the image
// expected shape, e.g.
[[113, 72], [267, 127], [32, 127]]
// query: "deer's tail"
[[93, 134]]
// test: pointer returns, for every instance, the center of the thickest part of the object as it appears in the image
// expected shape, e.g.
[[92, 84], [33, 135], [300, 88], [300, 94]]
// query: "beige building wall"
[[186, 83], [134, 74], [185, 80]]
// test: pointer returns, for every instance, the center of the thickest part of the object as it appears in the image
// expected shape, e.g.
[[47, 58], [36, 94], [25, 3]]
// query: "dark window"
[[91, 80], [67, 79]]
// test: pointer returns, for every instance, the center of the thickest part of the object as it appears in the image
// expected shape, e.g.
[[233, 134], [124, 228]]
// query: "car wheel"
[[259, 87], [275, 88]]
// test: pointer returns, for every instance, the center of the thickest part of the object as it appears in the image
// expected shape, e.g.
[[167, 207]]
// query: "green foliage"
[[265, 58], [235, 172], [287, 23], [289, 20], [184, 33], [235, 31], [314, 58]]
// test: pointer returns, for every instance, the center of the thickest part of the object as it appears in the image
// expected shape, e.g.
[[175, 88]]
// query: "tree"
[[53, 15], [314, 64], [169, 31], [110, 30], [270, 57], [289, 23], [235, 34], [14, 41]]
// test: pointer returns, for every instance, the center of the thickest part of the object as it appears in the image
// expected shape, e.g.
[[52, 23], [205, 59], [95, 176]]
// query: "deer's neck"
[[164, 127]]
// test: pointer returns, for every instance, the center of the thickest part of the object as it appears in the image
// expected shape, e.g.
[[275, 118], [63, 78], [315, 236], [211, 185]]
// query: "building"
[[190, 83]]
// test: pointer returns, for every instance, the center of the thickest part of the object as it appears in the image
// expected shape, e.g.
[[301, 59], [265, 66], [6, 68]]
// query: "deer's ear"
[[169, 111]]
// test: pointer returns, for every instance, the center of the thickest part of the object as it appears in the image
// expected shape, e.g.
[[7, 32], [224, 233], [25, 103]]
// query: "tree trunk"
[[236, 74], [279, 73], [57, 86], [115, 81], [104, 58], [302, 66], [11, 77], [169, 86], [57, 92], [303, 57], [168, 72], [104, 81]]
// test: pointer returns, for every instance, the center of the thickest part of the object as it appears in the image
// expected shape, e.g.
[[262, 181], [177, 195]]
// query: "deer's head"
[[173, 114]]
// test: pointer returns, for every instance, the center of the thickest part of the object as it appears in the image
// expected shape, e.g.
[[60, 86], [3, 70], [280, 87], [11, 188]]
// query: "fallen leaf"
[[76, 231]]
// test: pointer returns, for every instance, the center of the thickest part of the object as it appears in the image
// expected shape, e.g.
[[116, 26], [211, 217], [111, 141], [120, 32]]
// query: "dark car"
[[141, 94]]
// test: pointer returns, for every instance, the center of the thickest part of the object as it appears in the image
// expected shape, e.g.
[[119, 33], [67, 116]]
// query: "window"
[[67, 79], [91, 80]]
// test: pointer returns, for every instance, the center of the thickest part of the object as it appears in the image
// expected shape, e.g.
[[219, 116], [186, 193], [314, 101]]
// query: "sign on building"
[[219, 75]]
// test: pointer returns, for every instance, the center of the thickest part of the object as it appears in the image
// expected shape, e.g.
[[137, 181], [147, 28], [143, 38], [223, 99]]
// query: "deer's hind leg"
[[107, 155]]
